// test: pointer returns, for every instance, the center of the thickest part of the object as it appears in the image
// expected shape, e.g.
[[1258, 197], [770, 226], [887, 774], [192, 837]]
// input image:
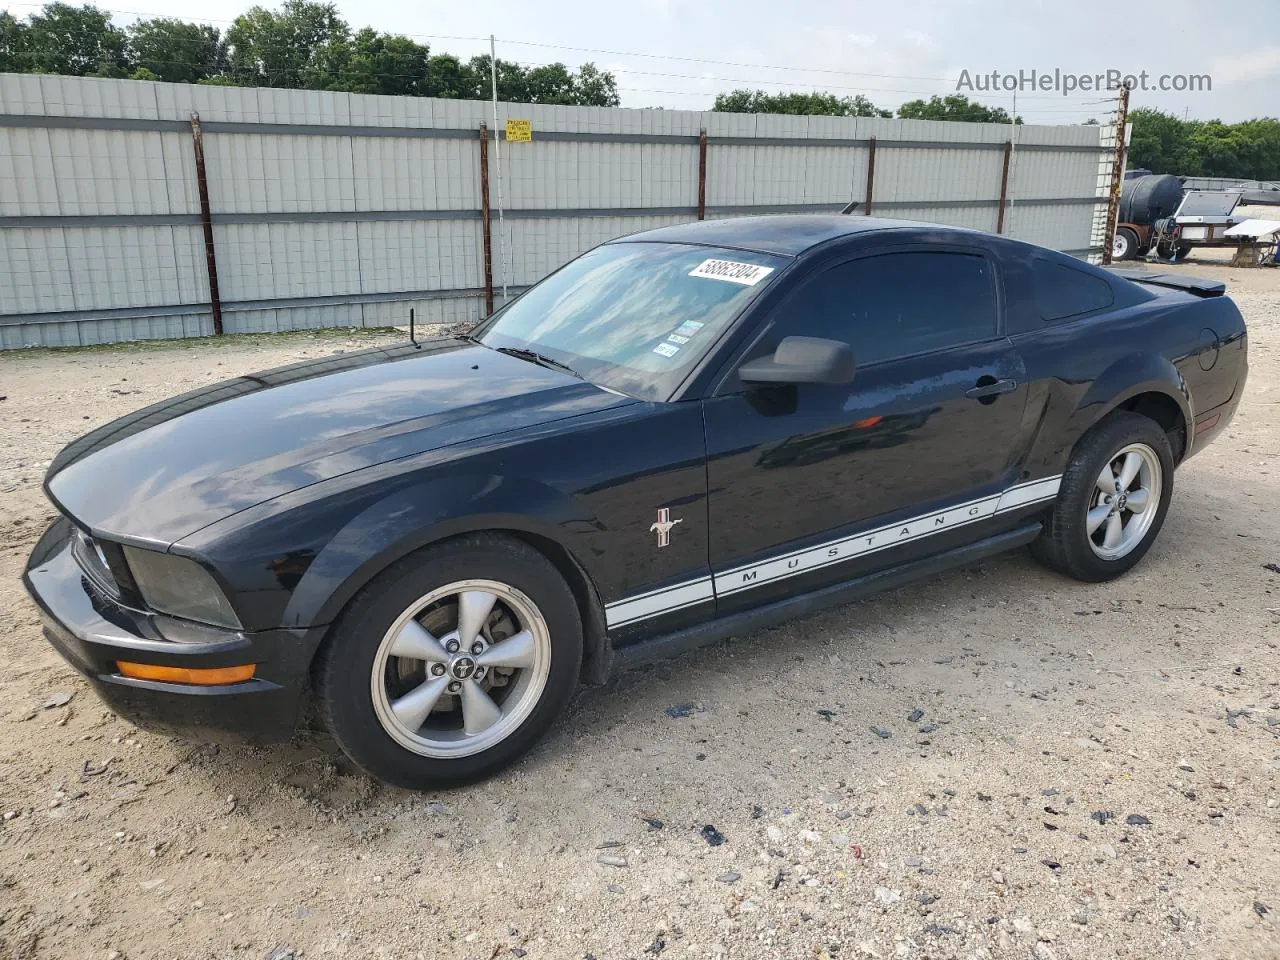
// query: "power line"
[[725, 63], [782, 83], [651, 56], [299, 71], [1020, 113], [560, 46], [703, 78]]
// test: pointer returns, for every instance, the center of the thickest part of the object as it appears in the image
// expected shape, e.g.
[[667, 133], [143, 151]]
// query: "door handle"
[[988, 388]]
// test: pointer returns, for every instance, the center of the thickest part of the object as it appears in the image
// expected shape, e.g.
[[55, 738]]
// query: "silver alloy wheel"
[[1125, 501], [461, 669]]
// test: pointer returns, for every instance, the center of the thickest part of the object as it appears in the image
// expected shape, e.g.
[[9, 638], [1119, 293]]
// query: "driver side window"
[[895, 304]]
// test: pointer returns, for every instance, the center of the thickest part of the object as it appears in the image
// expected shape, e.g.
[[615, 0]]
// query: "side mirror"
[[802, 360]]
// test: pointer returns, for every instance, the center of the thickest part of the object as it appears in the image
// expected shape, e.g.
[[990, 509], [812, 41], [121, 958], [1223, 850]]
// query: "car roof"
[[787, 234]]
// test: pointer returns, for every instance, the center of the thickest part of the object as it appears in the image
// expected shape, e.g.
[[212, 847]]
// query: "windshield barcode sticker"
[[666, 349], [747, 274]]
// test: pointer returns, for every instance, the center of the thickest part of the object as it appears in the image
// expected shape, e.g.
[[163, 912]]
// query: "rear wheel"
[[451, 663], [1112, 501]]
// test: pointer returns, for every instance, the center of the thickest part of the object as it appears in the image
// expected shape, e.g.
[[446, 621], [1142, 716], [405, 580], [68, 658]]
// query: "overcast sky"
[[889, 50]]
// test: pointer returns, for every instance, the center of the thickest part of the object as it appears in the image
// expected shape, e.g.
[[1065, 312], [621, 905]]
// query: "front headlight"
[[179, 587]]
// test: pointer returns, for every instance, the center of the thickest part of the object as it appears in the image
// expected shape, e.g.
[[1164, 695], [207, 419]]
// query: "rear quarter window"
[[1062, 291]]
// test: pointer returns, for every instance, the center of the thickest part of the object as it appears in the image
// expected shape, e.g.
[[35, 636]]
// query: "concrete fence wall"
[[333, 209]]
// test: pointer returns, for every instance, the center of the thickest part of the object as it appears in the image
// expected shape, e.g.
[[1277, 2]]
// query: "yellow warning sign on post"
[[519, 131]]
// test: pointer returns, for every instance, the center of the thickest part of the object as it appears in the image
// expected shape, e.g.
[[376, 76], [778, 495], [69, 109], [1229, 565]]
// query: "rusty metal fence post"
[[871, 175], [206, 221], [484, 220], [1004, 186], [702, 174]]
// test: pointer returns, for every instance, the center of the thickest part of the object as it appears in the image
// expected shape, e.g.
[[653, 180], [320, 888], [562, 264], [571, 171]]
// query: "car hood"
[[170, 469]]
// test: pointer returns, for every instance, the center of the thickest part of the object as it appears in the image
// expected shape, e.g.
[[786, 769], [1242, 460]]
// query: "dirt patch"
[[1070, 771]]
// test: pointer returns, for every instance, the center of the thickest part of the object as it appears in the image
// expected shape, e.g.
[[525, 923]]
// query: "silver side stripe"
[[666, 600], [1026, 493], [679, 596], [838, 551]]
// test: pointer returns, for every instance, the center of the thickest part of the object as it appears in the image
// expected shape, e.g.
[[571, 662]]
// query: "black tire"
[[343, 668], [1064, 545], [1125, 246]]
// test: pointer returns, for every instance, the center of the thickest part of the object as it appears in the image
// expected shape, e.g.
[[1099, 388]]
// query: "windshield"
[[633, 317]]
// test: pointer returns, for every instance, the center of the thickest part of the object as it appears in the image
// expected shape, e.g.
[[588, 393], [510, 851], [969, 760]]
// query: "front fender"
[[423, 513], [298, 564], [1129, 377]]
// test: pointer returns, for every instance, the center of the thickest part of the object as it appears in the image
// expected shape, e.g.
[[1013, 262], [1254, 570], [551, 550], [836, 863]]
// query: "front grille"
[[93, 562]]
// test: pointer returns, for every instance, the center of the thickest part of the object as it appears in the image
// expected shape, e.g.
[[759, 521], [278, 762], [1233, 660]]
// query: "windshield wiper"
[[538, 358]]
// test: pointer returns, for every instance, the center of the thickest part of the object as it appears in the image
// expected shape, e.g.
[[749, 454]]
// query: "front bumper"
[[93, 631]]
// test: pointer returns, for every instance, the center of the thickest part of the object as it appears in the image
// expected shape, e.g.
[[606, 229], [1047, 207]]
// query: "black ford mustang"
[[681, 435]]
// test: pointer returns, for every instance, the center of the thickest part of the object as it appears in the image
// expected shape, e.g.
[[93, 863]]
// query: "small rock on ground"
[[712, 835]]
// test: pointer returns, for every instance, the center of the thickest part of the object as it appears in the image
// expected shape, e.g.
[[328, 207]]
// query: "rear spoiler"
[[1197, 285]]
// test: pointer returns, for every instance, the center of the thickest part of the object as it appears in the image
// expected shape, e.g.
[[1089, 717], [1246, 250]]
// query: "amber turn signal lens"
[[202, 676]]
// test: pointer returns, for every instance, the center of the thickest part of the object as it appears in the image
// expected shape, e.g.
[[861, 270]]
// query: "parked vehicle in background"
[[1252, 192], [679, 436], [1145, 199], [1202, 220], [1159, 217]]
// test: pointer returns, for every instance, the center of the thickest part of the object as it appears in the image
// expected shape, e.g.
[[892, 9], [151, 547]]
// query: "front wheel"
[[451, 663], [1112, 501]]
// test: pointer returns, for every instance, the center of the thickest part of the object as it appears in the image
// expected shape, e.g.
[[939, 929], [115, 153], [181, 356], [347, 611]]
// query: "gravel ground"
[[997, 763]]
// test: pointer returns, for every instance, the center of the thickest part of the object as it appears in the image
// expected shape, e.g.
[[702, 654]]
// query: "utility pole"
[[497, 150], [1117, 175]]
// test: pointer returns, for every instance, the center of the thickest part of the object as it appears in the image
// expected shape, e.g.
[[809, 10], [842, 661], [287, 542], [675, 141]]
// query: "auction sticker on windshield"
[[747, 274]]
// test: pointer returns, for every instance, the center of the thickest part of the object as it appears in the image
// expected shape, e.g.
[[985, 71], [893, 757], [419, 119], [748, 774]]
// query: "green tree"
[[304, 44], [1260, 148], [73, 41], [552, 83], [399, 63], [369, 62], [595, 88], [955, 106], [12, 37], [448, 77], [797, 104], [291, 48], [1159, 142], [513, 80], [176, 51], [1165, 143]]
